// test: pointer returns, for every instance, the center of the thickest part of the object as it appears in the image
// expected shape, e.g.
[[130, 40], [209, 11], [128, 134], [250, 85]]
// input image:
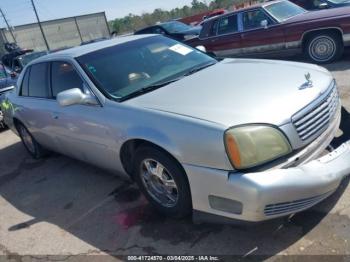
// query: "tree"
[[133, 22]]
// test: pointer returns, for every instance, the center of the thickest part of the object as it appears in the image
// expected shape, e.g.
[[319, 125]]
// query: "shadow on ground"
[[110, 214]]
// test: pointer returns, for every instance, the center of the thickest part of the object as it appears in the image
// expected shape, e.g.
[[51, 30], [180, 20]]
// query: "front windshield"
[[124, 69], [284, 10], [175, 27]]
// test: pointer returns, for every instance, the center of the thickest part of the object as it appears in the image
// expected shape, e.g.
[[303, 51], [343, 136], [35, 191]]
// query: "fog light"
[[225, 205]]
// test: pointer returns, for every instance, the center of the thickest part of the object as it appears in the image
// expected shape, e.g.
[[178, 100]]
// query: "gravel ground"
[[61, 207]]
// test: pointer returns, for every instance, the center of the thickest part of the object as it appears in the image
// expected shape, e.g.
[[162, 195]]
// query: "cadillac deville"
[[278, 28], [237, 139]]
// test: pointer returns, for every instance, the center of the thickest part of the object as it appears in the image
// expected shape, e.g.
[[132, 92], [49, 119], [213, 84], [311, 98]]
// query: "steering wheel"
[[137, 76]]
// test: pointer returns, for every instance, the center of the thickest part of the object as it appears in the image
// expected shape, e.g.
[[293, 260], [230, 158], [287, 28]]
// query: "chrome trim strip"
[[7, 88], [258, 49]]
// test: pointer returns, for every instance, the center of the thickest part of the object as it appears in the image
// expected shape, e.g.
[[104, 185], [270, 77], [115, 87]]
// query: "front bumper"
[[265, 195], [299, 183]]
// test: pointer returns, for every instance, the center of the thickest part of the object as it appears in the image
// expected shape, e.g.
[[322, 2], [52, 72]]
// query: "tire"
[[324, 48], [170, 195], [29, 142], [2, 123]]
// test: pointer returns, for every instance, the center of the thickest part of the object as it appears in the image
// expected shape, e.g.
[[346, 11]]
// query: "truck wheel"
[[163, 182], [29, 142], [323, 48]]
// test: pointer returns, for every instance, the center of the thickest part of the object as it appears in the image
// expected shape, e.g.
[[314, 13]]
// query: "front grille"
[[293, 206], [316, 118]]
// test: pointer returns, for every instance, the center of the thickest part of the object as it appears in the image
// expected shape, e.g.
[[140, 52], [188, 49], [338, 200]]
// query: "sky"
[[21, 12]]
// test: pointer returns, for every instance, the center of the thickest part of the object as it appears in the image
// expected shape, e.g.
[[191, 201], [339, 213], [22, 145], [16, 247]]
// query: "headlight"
[[249, 146]]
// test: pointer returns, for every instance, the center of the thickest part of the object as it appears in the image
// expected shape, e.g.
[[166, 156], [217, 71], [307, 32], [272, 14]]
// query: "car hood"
[[240, 91], [320, 14]]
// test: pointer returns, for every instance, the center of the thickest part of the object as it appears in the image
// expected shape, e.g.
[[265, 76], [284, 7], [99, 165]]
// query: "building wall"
[[60, 33]]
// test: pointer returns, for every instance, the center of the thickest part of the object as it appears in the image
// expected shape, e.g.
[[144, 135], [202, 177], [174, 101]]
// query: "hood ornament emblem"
[[308, 83]]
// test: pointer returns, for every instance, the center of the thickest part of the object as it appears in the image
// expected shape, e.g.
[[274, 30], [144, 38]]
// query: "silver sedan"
[[237, 139]]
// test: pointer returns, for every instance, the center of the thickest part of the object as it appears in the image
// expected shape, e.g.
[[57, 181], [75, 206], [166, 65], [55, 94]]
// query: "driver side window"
[[64, 77], [252, 19]]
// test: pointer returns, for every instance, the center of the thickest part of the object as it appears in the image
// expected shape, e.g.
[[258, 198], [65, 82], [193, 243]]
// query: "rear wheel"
[[29, 142], [2, 124], [163, 182], [322, 48]]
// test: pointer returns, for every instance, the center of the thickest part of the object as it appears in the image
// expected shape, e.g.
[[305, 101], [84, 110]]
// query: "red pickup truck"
[[277, 27]]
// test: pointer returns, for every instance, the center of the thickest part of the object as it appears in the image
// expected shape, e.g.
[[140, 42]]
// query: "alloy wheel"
[[159, 183], [322, 48]]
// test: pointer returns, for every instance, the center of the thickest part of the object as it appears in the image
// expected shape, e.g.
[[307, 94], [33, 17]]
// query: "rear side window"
[[209, 29], [24, 88], [38, 81], [64, 77], [228, 25]]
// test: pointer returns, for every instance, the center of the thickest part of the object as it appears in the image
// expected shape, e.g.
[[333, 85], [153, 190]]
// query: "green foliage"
[[132, 22]]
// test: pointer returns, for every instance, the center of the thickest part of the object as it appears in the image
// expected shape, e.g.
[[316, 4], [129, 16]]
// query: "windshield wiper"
[[149, 88], [198, 68]]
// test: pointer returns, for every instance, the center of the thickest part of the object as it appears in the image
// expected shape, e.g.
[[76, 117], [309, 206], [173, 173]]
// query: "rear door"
[[257, 39], [34, 108], [223, 38]]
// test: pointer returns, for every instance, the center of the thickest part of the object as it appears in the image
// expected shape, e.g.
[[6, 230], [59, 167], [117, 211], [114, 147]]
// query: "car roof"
[[254, 6], [85, 49]]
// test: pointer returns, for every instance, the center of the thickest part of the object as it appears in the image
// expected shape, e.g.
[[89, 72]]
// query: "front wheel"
[[163, 182], [324, 48]]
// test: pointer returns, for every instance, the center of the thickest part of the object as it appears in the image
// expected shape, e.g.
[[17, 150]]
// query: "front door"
[[260, 33], [78, 129]]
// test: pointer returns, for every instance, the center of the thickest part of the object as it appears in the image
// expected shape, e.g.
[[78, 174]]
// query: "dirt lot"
[[59, 206]]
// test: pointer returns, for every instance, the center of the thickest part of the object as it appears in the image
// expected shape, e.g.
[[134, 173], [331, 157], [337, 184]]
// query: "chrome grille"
[[316, 119], [293, 206]]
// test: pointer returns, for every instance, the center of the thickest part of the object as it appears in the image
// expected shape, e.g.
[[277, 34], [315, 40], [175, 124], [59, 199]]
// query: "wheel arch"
[[130, 147], [16, 122], [307, 34]]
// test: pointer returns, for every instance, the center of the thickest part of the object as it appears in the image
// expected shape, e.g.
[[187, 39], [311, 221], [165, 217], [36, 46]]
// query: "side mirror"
[[201, 48], [323, 6], [264, 24], [75, 96]]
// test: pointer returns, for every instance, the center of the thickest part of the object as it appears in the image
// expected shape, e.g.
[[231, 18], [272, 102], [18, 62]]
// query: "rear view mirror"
[[75, 96], [264, 23], [201, 48]]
